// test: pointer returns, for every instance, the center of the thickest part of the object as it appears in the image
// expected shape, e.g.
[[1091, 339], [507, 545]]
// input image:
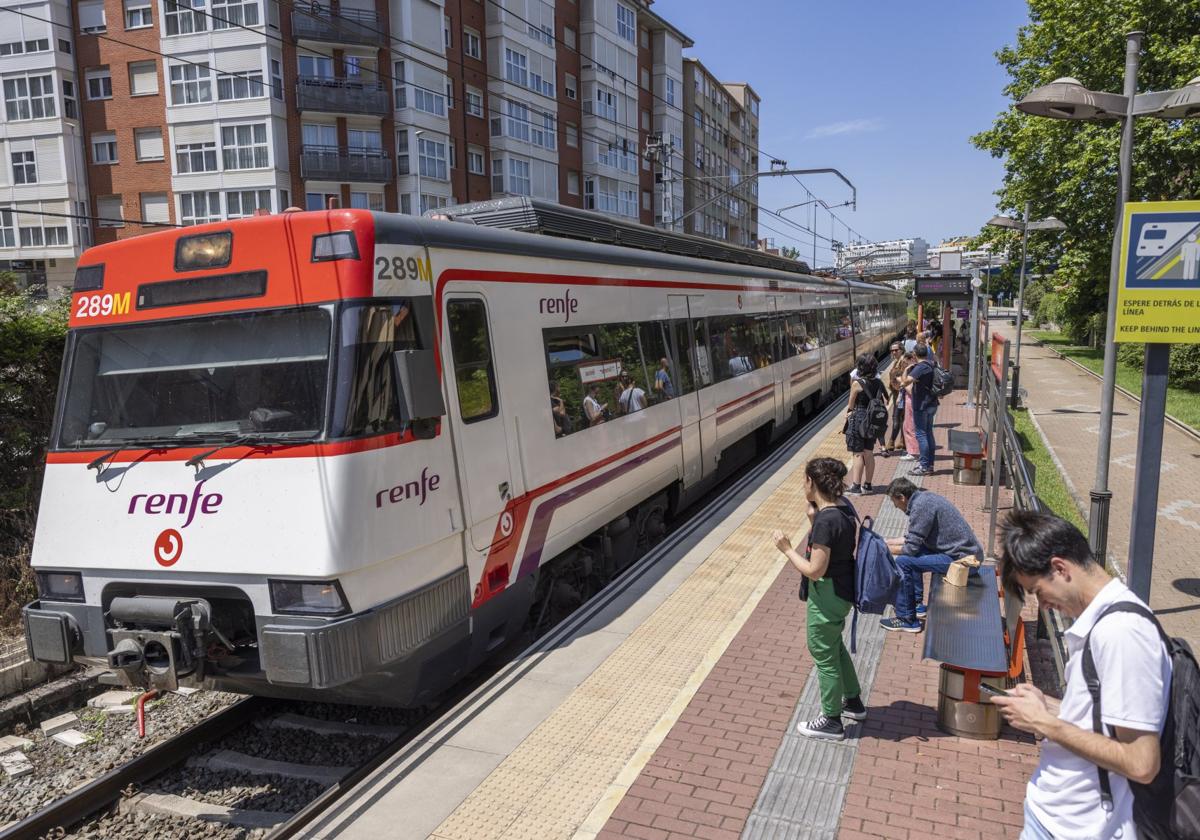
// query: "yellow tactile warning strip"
[[568, 776]]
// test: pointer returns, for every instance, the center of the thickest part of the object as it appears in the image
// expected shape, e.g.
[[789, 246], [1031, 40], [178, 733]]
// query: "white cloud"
[[845, 127]]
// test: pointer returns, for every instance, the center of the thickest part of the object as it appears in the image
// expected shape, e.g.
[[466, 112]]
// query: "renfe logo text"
[[410, 490], [156, 503], [565, 305]]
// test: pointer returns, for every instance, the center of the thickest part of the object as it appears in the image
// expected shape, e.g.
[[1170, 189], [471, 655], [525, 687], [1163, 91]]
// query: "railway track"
[[265, 767]]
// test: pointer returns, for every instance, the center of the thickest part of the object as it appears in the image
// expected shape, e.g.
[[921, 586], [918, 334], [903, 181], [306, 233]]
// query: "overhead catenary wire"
[[24, 212]]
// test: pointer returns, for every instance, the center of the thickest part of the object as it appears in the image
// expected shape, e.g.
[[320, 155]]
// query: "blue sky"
[[887, 92]]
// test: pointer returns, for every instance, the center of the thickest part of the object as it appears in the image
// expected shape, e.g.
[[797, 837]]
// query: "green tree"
[[1069, 169]]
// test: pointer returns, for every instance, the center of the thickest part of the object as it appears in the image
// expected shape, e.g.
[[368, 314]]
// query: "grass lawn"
[[1048, 484], [1182, 405]]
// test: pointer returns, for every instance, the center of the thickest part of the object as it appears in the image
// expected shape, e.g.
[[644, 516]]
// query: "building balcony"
[[340, 96], [332, 163], [349, 26]]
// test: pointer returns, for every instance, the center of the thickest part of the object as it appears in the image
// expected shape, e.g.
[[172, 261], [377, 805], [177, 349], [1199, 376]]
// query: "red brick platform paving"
[[910, 779]]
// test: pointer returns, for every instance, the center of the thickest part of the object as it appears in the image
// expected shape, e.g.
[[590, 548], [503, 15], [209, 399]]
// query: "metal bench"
[[968, 449], [967, 633]]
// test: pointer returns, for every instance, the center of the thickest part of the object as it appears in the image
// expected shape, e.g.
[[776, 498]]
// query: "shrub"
[[32, 338], [1185, 366]]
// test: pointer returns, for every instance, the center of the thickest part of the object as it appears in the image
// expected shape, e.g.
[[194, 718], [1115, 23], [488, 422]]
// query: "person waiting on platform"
[[1048, 557], [865, 385], [632, 397], [924, 406], [937, 536], [828, 568], [593, 409], [663, 386], [895, 375]]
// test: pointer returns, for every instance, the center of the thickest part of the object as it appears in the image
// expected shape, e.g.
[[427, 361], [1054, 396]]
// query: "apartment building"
[[42, 181], [143, 113], [720, 137], [888, 254]]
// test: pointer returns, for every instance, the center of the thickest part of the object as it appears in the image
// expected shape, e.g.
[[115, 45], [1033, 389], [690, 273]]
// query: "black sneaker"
[[854, 490], [854, 709], [867, 488], [825, 728]]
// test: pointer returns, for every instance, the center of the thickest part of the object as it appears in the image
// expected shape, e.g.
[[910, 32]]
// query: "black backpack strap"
[[1092, 678]]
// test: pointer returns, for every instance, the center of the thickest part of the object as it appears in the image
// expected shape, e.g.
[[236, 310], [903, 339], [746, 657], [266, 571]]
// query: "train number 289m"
[[98, 306]]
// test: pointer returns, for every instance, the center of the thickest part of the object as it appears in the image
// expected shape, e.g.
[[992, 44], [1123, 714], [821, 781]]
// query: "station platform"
[[666, 708]]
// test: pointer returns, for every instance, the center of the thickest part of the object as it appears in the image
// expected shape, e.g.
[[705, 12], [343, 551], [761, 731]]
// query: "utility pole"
[[661, 154]]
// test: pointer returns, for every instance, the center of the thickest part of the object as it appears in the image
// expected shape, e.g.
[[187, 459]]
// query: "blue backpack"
[[877, 575]]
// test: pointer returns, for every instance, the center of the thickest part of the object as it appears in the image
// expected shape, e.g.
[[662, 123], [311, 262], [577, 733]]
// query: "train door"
[[481, 442], [698, 373], [780, 352]]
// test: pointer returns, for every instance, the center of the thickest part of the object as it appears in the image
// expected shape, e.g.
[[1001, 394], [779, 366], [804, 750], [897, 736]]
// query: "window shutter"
[[109, 207], [143, 78], [91, 15], [194, 133], [154, 208], [149, 143]]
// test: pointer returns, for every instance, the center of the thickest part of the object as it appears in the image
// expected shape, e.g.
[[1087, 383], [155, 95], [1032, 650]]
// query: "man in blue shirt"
[[924, 407]]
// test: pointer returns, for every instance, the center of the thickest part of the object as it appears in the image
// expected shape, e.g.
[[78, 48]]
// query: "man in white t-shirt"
[[593, 409], [632, 397], [1050, 558]]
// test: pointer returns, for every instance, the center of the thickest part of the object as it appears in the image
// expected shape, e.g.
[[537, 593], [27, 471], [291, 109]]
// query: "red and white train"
[[315, 454]]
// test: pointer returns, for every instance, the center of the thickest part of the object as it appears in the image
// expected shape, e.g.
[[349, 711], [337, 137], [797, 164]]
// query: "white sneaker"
[[907, 457]]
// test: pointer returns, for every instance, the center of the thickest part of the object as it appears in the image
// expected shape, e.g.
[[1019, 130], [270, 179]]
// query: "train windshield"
[[261, 373]]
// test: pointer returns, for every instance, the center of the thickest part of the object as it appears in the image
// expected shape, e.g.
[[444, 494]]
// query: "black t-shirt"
[[836, 529]]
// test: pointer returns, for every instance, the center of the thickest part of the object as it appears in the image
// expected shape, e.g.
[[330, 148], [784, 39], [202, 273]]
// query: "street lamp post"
[[1024, 225], [1067, 99]]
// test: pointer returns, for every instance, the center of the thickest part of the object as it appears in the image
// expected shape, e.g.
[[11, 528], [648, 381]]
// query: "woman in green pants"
[[830, 568]]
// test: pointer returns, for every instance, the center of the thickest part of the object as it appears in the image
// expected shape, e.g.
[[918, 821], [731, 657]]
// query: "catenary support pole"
[[1149, 462], [973, 352], [1101, 496], [1016, 373]]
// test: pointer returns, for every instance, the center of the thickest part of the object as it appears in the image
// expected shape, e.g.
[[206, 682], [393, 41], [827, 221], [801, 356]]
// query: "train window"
[[366, 388], [668, 377], [731, 345], [471, 347], [198, 377], [702, 362]]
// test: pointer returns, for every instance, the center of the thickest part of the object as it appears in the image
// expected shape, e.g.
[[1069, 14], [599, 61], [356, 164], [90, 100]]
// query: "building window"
[[367, 201], [571, 85], [143, 78], [155, 208], [432, 159], [626, 23], [110, 211], [228, 14], [572, 135], [70, 109], [319, 201], [315, 66], [244, 146], [104, 147], [471, 350], [474, 100], [190, 83], [24, 168], [99, 83], [83, 226], [471, 46], [447, 36], [406, 204], [573, 183], [401, 90], [543, 132], [645, 79], [402, 152], [518, 121], [429, 102], [453, 150], [497, 174], [137, 14], [199, 208], [606, 103], [22, 47], [569, 37], [475, 160], [277, 79], [29, 98], [646, 205], [242, 203], [8, 235], [181, 20], [240, 86], [195, 157], [449, 93], [518, 177], [364, 142], [91, 17], [670, 88], [516, 67], [645, 38], [148, 143]]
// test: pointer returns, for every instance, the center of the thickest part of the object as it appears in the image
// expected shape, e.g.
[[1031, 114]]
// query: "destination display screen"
[[943, 287]]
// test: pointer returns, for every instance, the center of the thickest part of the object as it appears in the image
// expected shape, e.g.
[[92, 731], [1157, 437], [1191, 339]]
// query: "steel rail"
[[101, 792]]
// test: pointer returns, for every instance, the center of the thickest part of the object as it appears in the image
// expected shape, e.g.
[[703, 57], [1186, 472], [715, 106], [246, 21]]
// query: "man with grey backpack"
[[1121, 755]]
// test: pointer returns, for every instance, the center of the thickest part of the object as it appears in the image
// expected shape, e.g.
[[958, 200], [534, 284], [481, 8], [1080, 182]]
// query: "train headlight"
[[334, 246], [60, 586], [307, 597]]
